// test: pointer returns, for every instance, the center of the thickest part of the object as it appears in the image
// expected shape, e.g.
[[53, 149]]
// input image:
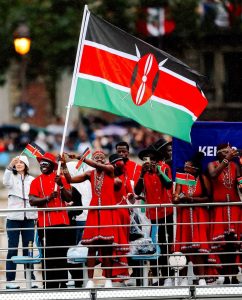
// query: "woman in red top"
[[100, 229], [192, 230], [223, 173], [123, 191]]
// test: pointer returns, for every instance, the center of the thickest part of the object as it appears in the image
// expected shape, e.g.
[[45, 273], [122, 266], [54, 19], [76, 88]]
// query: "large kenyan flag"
[[121, 74]]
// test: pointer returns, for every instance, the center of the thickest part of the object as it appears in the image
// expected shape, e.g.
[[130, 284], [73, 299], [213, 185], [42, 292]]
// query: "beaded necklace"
[[227, 177], [191, 189], [98, 183]]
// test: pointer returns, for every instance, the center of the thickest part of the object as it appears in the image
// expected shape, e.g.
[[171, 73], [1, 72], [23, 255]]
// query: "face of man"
[[46, 167], [169, 151], [123, 151]]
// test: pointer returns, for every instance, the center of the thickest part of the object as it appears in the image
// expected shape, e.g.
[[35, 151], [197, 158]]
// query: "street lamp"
[[22, 43], [22, 39]]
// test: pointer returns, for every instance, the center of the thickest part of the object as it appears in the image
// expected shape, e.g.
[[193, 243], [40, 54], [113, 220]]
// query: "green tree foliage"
[[55, 26]]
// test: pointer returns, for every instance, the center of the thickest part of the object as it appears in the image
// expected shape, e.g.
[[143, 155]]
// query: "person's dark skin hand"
[[53, 195], [145, 168], [231, 154], [72, 155], [58, 180]]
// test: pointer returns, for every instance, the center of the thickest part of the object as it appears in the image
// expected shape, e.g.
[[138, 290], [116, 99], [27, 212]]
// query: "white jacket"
[[18, 195]]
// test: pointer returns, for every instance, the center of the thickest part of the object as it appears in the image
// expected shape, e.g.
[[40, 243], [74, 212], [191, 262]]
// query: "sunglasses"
[[45, 164]]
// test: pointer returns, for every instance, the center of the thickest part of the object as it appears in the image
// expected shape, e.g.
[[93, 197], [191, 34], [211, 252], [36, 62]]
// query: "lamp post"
[[22, 43]]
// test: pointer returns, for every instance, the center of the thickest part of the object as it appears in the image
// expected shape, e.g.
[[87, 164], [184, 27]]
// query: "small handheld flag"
[[185, 179], [84, 155], [161, 171], [33, 150]]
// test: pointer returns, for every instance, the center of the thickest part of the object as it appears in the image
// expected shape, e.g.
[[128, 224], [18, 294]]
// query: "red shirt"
[[41, 187], [132, 170], [156, 193]]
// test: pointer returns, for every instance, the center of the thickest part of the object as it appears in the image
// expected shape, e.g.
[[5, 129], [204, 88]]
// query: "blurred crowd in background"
[[91, 131]]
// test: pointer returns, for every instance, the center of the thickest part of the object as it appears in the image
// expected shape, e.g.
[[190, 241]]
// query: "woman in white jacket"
[[17, 179]]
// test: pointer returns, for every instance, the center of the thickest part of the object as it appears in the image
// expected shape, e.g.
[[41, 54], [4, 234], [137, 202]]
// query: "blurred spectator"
[[83, 141], [4, 156], [42, 141]]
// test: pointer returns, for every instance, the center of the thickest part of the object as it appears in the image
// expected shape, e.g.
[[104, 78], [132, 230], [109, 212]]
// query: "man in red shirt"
[[155, 182], [132, 169], [51, 191]]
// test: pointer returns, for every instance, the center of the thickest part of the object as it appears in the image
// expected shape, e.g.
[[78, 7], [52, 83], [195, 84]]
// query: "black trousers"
[[163, 259], [55, 256]]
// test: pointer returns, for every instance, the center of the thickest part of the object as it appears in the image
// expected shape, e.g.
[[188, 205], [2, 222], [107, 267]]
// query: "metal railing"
[[182, 269]]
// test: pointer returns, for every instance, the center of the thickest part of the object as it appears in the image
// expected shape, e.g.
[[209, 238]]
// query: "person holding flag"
[[100, 232], [51, 191]]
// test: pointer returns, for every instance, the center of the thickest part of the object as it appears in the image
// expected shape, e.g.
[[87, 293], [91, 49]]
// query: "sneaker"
[[90, 284], [34, 284], [130, 282], [12, 285], [70, 283], [168, 282], [220, 280], [184, 282], [108, 284], [202, 282]]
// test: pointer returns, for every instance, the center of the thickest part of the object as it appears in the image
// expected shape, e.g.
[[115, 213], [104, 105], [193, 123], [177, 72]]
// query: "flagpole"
[[82, 35]]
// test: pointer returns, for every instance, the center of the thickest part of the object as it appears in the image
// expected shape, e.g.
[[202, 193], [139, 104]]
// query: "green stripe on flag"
[[185, 182], [166, 178], [28, 153], [152, 114]]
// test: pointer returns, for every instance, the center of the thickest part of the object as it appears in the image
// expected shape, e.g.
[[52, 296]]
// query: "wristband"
[[225, 161]]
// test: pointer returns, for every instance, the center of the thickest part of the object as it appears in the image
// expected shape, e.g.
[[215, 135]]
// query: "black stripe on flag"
[[104, 33]]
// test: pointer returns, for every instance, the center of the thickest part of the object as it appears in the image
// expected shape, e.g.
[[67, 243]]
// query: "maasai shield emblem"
[[145, 78]]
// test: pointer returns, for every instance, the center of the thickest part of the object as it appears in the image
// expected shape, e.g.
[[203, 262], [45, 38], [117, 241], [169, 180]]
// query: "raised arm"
[[215, 171], [108, 169]]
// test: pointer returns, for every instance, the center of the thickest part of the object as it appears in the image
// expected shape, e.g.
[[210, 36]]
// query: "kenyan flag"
[[121, 74], [185, 179], [33, 150]]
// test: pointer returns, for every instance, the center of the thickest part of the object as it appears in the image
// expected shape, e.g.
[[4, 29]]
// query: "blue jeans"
[[13, 243], [79, 231]]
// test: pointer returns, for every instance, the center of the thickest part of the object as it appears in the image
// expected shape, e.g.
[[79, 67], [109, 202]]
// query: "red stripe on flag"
[[82, 158], [34, 151], [106, 65], [117, 69], [185, 176], [178, 91]]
